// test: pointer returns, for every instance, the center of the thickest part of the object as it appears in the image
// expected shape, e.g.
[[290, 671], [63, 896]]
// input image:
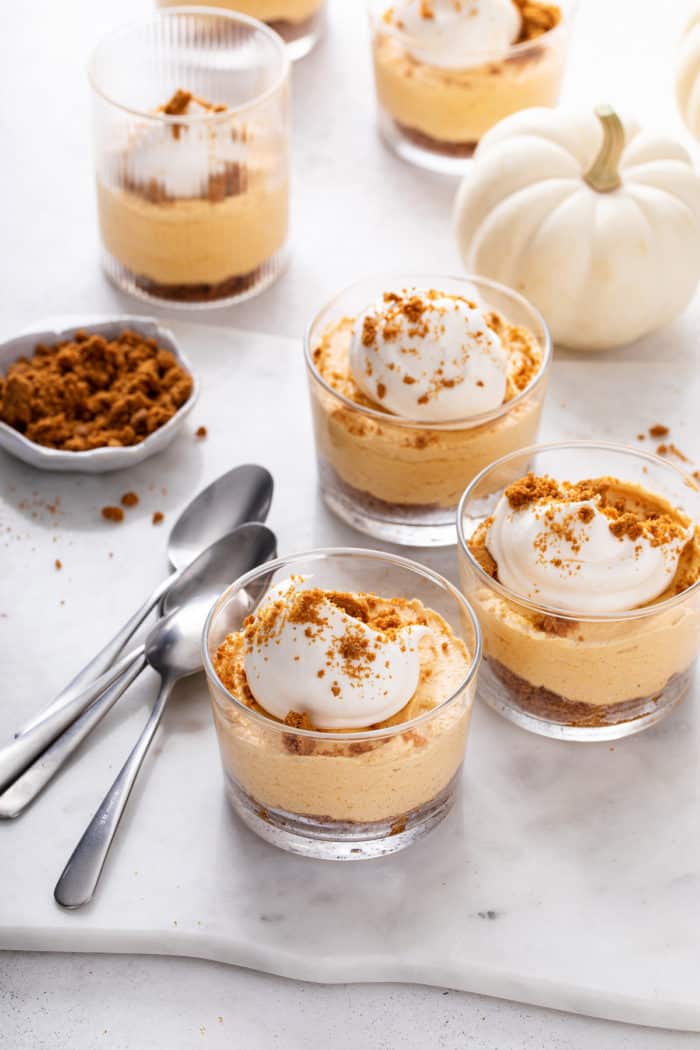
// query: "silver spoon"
[[250, 545], [174, 650], [242, 494]]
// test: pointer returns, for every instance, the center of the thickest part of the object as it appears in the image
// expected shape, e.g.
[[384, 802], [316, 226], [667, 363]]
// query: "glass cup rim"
[[349, 735], [193, 118], [567, 7], [551, 610], [387, 418]]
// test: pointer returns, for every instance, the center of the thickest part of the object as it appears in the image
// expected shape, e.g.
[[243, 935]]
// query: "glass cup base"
[[636, 716], [301, 37], [339, 840], [410, 526], [422, 151], [196, 297]]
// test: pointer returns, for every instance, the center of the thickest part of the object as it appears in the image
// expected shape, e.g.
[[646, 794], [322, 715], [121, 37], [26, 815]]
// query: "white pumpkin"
[[688, 74], [595, 222]]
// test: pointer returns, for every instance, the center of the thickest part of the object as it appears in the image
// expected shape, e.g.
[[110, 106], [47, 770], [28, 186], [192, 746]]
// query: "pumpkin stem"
[[604, 173]]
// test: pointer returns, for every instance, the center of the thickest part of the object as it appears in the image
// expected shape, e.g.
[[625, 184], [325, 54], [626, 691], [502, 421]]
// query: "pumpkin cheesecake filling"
[[434, 359], [596, 547], [263, 10], [446, 72], [342, 663], [194, 212]]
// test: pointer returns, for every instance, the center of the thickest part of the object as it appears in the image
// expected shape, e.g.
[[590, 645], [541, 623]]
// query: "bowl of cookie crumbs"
[[93, 398]]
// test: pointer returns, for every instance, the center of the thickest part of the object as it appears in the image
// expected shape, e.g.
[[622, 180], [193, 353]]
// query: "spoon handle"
[[81, 874], [21, 752], [25, 789], [104, 659]]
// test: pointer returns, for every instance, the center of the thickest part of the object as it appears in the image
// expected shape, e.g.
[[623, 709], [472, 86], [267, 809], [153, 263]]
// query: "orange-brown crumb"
[[112, 513], [129, 499], [58, 564], [631, 522], [158, 517], [89, 392], [537, 19]]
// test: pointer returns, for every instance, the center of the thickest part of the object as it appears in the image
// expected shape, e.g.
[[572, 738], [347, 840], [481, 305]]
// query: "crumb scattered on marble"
[[671, 450], [58, 564], [129, 499], [112, 513], [201, 432], [158, 516]]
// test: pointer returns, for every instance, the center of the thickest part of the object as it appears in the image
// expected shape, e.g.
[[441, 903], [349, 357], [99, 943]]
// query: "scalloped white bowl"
[[97, 460]]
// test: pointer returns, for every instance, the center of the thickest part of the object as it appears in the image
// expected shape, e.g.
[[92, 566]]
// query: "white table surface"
[[355, 209]]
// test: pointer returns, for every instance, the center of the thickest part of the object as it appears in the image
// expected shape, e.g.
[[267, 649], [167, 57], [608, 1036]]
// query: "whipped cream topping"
[[426, 355], [183, 158], [306, 653], [456, 34], [583, 555]]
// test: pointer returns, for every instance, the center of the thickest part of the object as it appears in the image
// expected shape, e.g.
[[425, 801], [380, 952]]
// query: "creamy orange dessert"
[[195, 211], [422, 391], [289, 18], [587, 555], [340, 663], [448, 70]]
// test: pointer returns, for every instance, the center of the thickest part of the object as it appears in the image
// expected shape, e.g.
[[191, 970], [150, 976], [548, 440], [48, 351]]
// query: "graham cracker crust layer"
[[552, 707], [200, 293], [427, 142]]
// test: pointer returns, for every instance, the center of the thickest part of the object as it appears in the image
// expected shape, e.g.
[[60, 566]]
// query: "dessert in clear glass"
[[191, 129], [342, 684], [299, 22], [446, 72], [417, 382], [582, 562]]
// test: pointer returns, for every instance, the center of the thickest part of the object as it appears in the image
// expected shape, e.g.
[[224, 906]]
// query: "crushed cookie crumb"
[[112, 513], [157, 518], [90, 392], [129, 499]]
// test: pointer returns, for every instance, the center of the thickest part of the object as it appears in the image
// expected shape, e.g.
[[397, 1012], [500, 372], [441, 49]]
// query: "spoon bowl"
[[213, 569], [242, 494]]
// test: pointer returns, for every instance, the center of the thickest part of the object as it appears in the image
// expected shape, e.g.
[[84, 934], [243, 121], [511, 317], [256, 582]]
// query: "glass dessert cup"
[[398, 479], [433, 116], [192, 203], [344, 795], [570, 676], [300, 23]]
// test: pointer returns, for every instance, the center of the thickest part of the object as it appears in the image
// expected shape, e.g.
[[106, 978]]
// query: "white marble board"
[[567, 876]]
